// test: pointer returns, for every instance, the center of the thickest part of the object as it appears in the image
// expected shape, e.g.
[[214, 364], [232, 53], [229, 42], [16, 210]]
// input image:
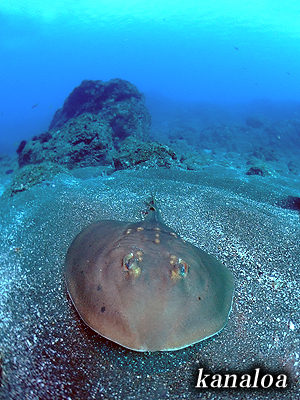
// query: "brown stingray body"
[[142, 286]]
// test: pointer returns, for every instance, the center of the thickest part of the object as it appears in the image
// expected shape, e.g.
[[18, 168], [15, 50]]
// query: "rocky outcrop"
[[135, 153], [82, 141], [32, 175], [254, 121], [93, 122], [117, 101]]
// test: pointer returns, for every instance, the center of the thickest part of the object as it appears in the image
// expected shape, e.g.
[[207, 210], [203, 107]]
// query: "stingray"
[[144, 287]]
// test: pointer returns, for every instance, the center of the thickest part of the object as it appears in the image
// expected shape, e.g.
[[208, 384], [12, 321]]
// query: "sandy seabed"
[[47, 352]]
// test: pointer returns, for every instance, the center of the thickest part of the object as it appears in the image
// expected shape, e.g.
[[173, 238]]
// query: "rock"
[[263, 168], [90, 127], [31, 175], [290, 203], [82, 141], [294, 167], [196, 161], [117, 101], [284, 137], [231, 137], [279, 167], [21, 146], [182, 132], [256, 171], [8, 165], [265, 154], [135, 153], [254, 121]]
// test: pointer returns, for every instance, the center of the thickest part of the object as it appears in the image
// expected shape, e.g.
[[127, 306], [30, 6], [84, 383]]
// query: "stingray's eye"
[[180, 269], [183, 267], [131, 264], [128, 261]]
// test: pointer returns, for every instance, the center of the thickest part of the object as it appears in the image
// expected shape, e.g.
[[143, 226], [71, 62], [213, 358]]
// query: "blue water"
[[225, 52]]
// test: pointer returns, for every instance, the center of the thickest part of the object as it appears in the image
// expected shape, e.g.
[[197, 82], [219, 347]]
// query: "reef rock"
[[32, 175], [284, 137], [94, 120], [254, 121], [196, 161], [256, 171], [290, 203], [117, 101], [81, 141], [230, 137], [134, 153]]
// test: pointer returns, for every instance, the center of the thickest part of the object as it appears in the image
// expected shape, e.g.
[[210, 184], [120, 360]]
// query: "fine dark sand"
[[47, 352]]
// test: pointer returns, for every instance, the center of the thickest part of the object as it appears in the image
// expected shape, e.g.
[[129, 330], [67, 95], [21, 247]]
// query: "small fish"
[[35, 105], [236, 48]]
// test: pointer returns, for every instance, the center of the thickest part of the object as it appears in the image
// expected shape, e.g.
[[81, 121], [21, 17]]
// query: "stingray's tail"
[[152, 212]]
